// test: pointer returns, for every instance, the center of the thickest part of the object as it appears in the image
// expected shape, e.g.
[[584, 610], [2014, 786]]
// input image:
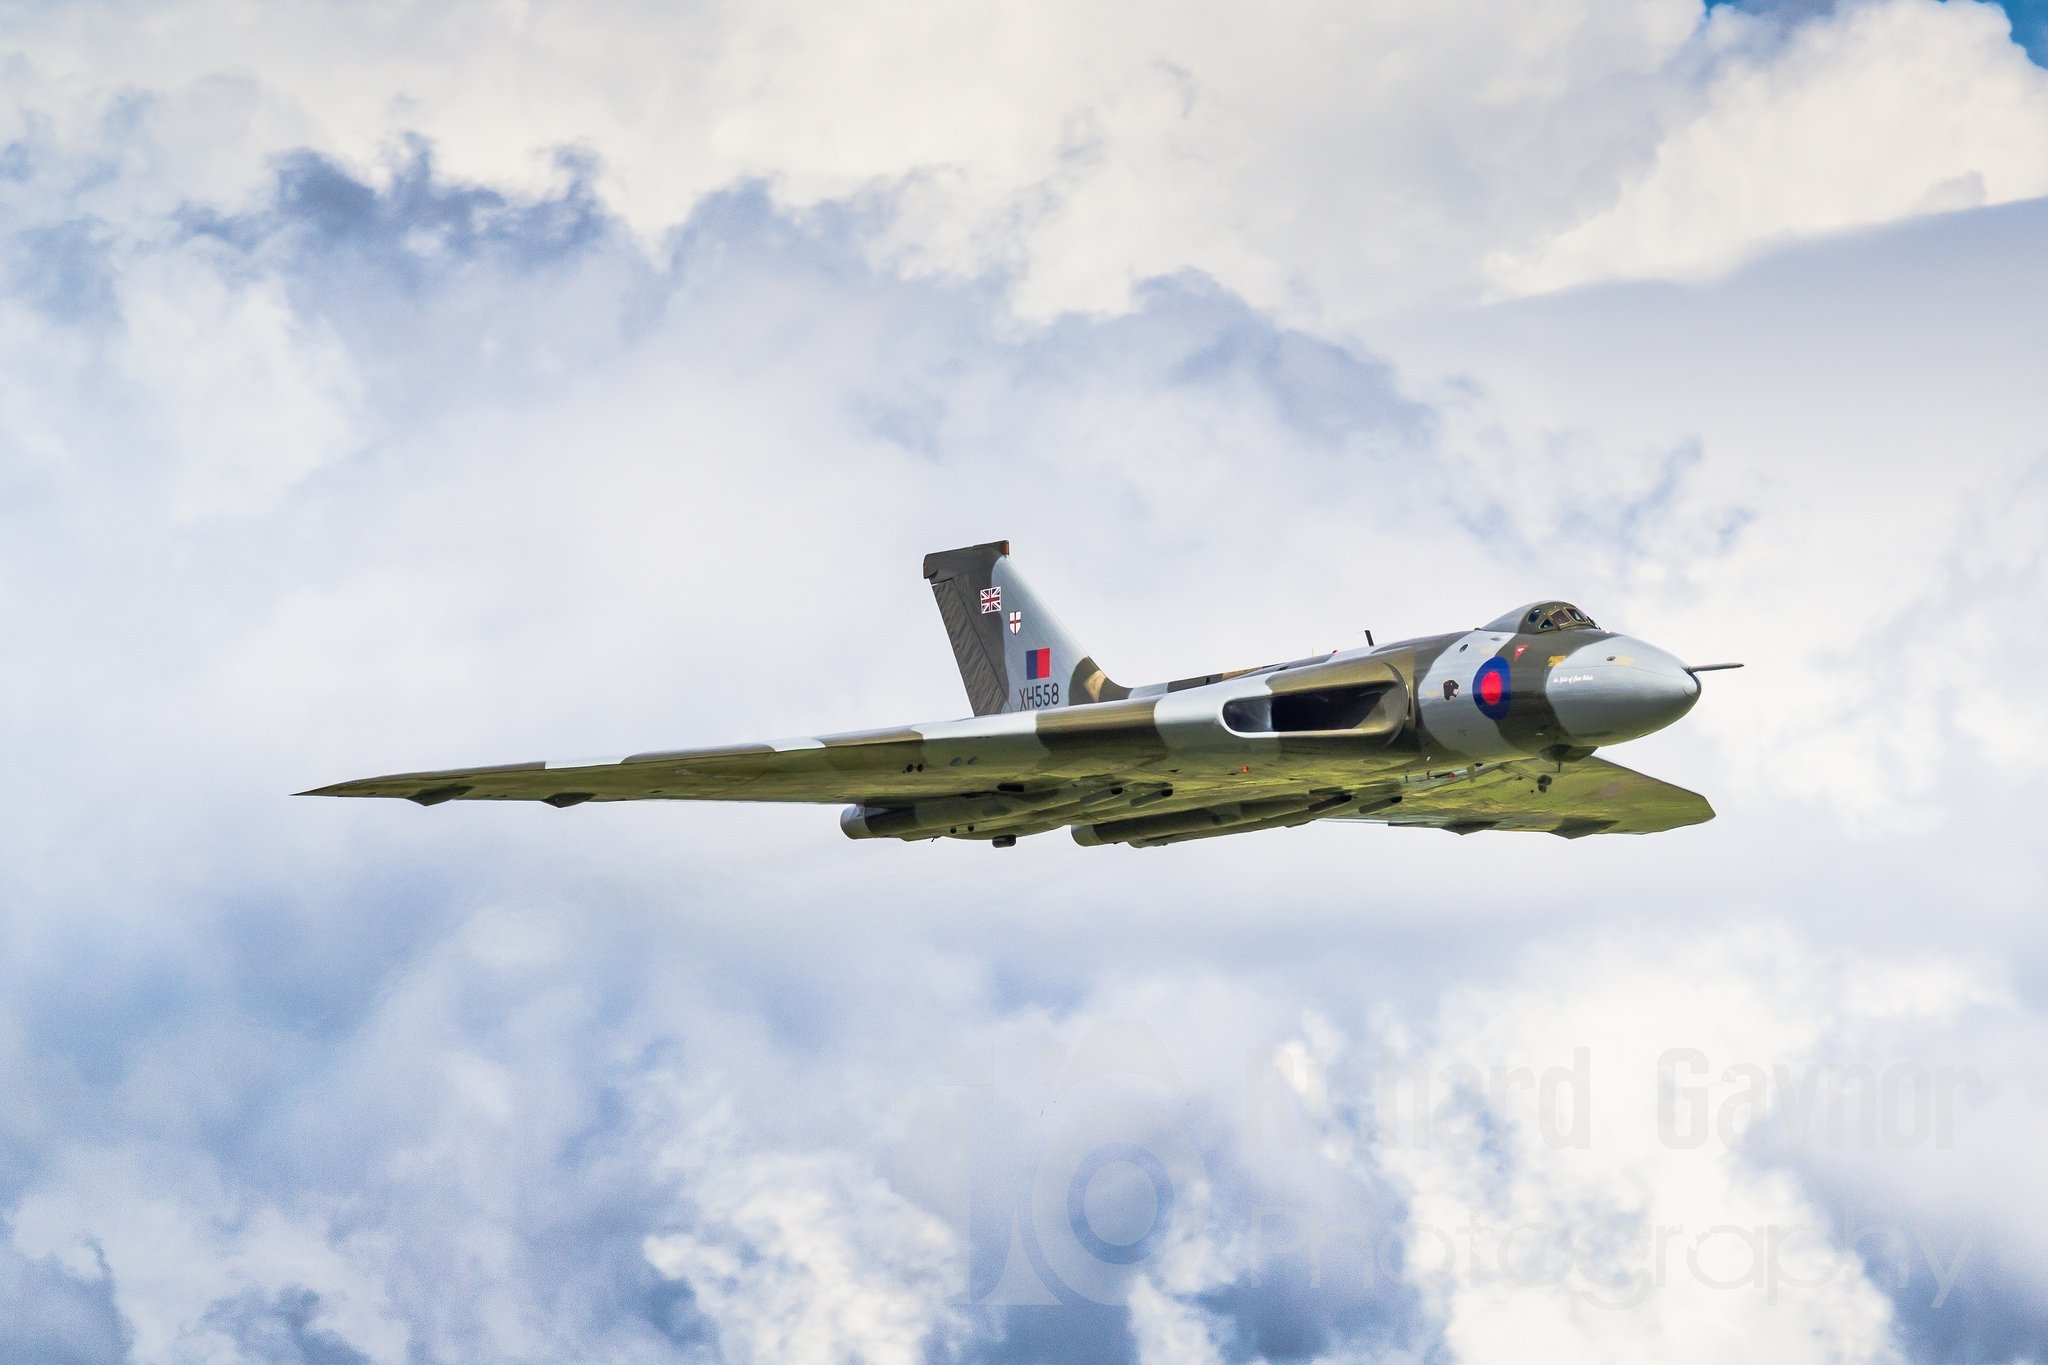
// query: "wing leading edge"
[[1072, 763], [869, 767], [1589, 796], [838, 769]]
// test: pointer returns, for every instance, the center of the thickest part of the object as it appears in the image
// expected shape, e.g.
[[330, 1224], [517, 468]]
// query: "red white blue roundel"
[[1491, 690]]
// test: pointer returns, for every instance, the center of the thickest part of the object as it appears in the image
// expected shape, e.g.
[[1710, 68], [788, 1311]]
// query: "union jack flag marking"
[[991, 600]]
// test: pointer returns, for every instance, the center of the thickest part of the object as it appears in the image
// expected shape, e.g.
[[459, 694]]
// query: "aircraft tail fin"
[[1013, 653]]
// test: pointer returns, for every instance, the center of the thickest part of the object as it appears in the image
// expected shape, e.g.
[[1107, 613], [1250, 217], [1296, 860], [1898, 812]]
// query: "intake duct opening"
[[1363, 707]]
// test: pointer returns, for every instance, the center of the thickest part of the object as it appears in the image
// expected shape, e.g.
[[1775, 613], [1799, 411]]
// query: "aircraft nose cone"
[[1620, 689]]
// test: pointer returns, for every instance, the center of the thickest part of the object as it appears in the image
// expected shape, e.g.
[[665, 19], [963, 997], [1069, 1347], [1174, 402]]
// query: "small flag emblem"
[[991, 601], [1037, 664], [1016, 622]]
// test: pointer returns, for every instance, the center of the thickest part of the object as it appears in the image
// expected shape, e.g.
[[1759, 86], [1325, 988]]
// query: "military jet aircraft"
[[1487, 729]]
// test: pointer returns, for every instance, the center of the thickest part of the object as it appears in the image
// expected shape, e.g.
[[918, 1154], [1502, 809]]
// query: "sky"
[[393, 386]]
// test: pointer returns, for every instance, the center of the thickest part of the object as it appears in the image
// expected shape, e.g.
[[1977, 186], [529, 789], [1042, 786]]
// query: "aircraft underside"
[[1490, 729]]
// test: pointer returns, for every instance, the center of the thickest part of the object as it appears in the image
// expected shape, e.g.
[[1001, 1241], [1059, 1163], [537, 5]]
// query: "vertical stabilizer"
[[1013, 654]]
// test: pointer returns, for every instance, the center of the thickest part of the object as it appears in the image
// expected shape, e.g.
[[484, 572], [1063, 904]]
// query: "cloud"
[[799, 1261], [1865, 439], [1600, 1201], [56, 1315], [1325, 168], [1876, 113], [282, 1329], [356, 425]]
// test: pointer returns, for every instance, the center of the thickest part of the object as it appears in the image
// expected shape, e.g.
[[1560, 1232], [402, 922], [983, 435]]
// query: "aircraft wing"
[[1589, 796], [1058, 760], [873, 767]]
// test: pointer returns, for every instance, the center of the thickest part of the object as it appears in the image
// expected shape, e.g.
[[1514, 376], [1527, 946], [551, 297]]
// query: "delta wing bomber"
[[1487, 729]]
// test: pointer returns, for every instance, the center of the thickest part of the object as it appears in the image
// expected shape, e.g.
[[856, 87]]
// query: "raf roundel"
[[1490, 689]]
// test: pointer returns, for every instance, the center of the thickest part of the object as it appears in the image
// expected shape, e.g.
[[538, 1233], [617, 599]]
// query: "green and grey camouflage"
[[1487, 729]]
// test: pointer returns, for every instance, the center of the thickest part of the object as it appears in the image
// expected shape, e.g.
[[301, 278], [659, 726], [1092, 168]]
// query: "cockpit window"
[[1559, 616], [1540, 617]]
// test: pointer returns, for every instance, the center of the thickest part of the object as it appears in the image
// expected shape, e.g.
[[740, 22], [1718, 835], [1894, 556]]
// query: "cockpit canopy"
[[1540, 617]]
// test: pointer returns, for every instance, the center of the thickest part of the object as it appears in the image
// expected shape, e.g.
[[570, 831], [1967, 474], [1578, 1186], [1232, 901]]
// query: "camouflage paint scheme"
[[1487, 729]]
